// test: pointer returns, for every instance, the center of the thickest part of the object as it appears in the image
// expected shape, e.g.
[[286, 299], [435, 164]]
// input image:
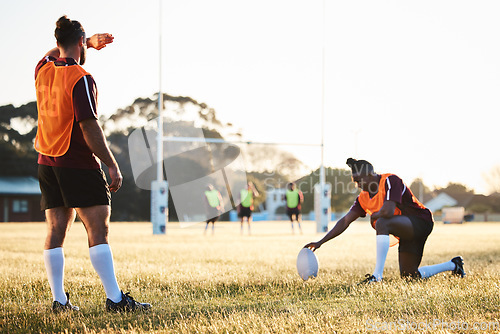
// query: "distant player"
[[71, 146], [393, 210], [214, 206], [294, 199], [246, 206]]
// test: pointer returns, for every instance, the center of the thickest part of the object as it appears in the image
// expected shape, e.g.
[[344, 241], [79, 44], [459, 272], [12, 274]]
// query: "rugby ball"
[[307, 264]]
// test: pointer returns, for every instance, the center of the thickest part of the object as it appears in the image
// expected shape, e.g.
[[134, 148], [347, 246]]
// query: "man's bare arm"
[[53, 53], [386, 211], [96, 41], [96, 141], [337, 230]]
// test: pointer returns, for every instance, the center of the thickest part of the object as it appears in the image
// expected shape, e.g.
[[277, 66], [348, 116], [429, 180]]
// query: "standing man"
[[70, 143], [246, 206], [214, 206], [294, 198]]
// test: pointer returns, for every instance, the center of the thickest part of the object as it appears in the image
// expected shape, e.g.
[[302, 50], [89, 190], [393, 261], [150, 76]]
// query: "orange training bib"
[[54, 94], [374, 204]]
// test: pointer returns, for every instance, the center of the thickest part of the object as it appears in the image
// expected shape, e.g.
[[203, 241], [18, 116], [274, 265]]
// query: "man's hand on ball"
[[313, 245]]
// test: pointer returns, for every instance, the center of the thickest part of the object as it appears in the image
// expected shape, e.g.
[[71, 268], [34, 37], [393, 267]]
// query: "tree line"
[[18, 127], [266, 166]]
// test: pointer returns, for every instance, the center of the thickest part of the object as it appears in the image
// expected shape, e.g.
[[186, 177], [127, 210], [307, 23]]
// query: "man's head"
[[363, 174], [291, 186], [70, 34]]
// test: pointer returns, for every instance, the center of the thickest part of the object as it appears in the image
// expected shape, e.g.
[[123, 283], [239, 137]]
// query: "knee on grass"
[[410, 275]]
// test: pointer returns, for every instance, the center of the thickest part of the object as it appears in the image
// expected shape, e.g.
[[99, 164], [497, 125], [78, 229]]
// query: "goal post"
[[322, 207], [227, 171]]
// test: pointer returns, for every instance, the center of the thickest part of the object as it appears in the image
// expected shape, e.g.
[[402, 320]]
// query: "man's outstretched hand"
[[99, 41]]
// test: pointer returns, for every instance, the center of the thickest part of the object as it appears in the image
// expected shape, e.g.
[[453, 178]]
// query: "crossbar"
[[219, 140]]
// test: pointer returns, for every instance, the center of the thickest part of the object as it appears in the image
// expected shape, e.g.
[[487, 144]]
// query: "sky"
[[411, 86]]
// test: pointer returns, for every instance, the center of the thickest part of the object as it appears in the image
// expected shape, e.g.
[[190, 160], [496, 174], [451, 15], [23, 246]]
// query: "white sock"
[[54, 264], [102, 261], [429, 271], [382, 250]]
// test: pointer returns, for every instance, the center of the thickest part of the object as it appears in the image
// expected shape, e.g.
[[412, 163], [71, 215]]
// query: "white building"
[[440, 201], [274, 201]]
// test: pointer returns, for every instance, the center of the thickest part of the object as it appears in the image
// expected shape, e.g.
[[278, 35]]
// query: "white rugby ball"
[[307, 264]]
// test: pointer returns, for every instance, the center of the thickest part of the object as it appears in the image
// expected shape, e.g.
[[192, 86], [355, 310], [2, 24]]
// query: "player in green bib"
[[246, 206], [294, 199], [214, 206]]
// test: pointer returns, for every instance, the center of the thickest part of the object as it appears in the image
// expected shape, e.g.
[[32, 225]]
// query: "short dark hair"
[[361, 167], [68, 32]]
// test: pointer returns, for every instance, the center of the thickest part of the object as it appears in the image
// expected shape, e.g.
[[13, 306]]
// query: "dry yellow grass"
[[233, 283]]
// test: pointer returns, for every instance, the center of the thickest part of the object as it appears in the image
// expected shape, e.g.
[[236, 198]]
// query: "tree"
[[493, 179], [271, 160], [185, 117], [459, 192], [17, 135], [420, 190], [456, 190], [176, 109]]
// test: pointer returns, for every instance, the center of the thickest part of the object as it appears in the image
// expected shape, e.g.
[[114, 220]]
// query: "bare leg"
[[408, 264], [399, 226], [59, 221], [96, 221], [299, 219]]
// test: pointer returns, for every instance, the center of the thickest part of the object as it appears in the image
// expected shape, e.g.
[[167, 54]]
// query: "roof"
[[19, 185], [441, 200], [462, 199]]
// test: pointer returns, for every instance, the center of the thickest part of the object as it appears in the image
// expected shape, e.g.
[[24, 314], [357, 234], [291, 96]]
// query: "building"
[[440, 201], [276, 204], [20, 199]]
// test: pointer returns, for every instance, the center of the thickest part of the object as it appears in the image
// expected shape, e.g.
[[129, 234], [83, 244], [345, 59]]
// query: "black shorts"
[[212, 220], [292, 211], [72, 187], [213, 214], [421, 230], [244, 212]]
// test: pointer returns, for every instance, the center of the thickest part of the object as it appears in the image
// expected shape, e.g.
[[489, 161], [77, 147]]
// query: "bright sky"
[[411, 86]]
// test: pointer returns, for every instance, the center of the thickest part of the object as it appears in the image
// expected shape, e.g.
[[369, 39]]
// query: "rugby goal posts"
[[160, 187]]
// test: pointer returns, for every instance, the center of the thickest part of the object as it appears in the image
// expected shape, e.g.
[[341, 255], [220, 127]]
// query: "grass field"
[[232, 283]]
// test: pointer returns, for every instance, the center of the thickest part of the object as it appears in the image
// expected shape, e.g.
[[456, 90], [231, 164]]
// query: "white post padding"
[[322, 209], [159, 206]]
